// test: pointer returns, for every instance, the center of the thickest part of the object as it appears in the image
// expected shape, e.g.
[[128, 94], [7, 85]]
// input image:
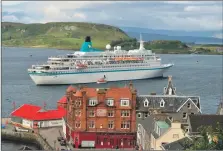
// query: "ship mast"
[[141, 47]]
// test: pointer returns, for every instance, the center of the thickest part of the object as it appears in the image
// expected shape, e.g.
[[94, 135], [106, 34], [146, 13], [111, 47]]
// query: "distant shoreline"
[[102, 49]]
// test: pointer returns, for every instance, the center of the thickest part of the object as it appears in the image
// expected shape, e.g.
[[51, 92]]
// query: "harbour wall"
[[26, 137]]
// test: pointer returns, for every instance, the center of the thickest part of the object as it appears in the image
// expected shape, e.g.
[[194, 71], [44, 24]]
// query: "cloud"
[[11, 18], [204, 9], [220, 35], [79, 15], [174, 15]]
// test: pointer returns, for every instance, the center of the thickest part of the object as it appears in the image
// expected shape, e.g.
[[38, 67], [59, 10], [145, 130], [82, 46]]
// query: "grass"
[[59, 35]]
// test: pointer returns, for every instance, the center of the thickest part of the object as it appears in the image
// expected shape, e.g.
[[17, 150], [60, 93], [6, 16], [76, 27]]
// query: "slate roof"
[[172, 102], [149, 122], [180, 144], [204, 120]]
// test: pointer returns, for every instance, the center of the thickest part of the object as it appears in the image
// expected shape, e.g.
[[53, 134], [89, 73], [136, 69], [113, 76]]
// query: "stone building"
[[175, 108], [101, 118]]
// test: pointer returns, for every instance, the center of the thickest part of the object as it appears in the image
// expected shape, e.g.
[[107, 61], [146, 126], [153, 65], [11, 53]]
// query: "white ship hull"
[[81, 77]]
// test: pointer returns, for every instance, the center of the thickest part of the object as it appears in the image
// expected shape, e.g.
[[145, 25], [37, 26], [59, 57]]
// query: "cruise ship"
[[90, 65]]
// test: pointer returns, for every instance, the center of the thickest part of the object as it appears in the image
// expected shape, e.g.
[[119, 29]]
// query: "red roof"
[[63, 100], [78, 94], [32, 112]]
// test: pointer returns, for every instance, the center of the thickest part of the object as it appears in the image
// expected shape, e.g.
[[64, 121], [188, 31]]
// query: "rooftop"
[[197, 121], [63, 100], [162, 124], [33, 112], [180, 144]]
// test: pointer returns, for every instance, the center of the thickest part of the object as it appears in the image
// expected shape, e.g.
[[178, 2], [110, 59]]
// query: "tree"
[[211, 138]]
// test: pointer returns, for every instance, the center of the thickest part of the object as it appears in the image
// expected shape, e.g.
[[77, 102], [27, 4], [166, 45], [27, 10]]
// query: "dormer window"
[[162, 103], [146, 103], [124, 102], [92, 102], [110, 102]]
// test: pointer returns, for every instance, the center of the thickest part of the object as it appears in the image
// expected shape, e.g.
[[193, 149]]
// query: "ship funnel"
[[88, 39], [87, 46]]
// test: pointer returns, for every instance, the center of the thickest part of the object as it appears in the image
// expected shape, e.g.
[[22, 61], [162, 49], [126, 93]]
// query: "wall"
[[102, 121], [25, 137], [179, 116], [102, 140], [64, 127], [27, 123], [167, 137], [50, 123]]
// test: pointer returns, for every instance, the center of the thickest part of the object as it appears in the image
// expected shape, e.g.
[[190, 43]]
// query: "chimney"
[[153, 93], [101, 92], [131, 85]]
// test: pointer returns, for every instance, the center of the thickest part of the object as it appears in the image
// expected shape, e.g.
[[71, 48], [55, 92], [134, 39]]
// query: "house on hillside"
[[175, 110]]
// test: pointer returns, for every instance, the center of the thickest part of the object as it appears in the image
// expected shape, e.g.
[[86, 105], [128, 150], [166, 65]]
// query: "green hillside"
[[61, 35], [158, 46]]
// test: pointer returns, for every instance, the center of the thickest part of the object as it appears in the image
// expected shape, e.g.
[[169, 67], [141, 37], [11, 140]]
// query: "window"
[[124, 102], [187, 130], [105, 140], [170, 118], [110, 113], [139, 115], [78, 103], [77, 113], [110, 102], [125, 125], [110, 124], [125, 113], [91, 124], [146, 115], [91, 113], [146, 103], [92, 102], [188, 105], [184, 115], [176, 136], [162, 103], [77, 124], [192, 113]]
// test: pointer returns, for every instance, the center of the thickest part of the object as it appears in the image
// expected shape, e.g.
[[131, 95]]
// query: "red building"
[[100, 118]]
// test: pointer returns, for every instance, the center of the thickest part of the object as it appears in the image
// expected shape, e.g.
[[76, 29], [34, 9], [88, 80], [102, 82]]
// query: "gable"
[[192, 102]]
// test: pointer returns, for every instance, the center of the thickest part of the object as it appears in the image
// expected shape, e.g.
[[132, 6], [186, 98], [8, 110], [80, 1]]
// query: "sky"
[[169, 15]]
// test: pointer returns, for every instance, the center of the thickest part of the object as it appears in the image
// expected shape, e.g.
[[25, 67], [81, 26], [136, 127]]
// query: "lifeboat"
[[102, 80], [81, 66]]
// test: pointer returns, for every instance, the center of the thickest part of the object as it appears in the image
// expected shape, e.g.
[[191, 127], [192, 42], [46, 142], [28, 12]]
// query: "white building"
[[27, 114]]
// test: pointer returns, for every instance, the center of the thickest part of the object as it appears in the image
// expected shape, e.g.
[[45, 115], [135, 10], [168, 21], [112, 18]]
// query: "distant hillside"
[[158, 46], [198, 37], [61, 35]]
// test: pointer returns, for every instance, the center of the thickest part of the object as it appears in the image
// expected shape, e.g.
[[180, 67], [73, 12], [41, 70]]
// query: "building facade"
[[101, 118], [171, 106], [27, 114]]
